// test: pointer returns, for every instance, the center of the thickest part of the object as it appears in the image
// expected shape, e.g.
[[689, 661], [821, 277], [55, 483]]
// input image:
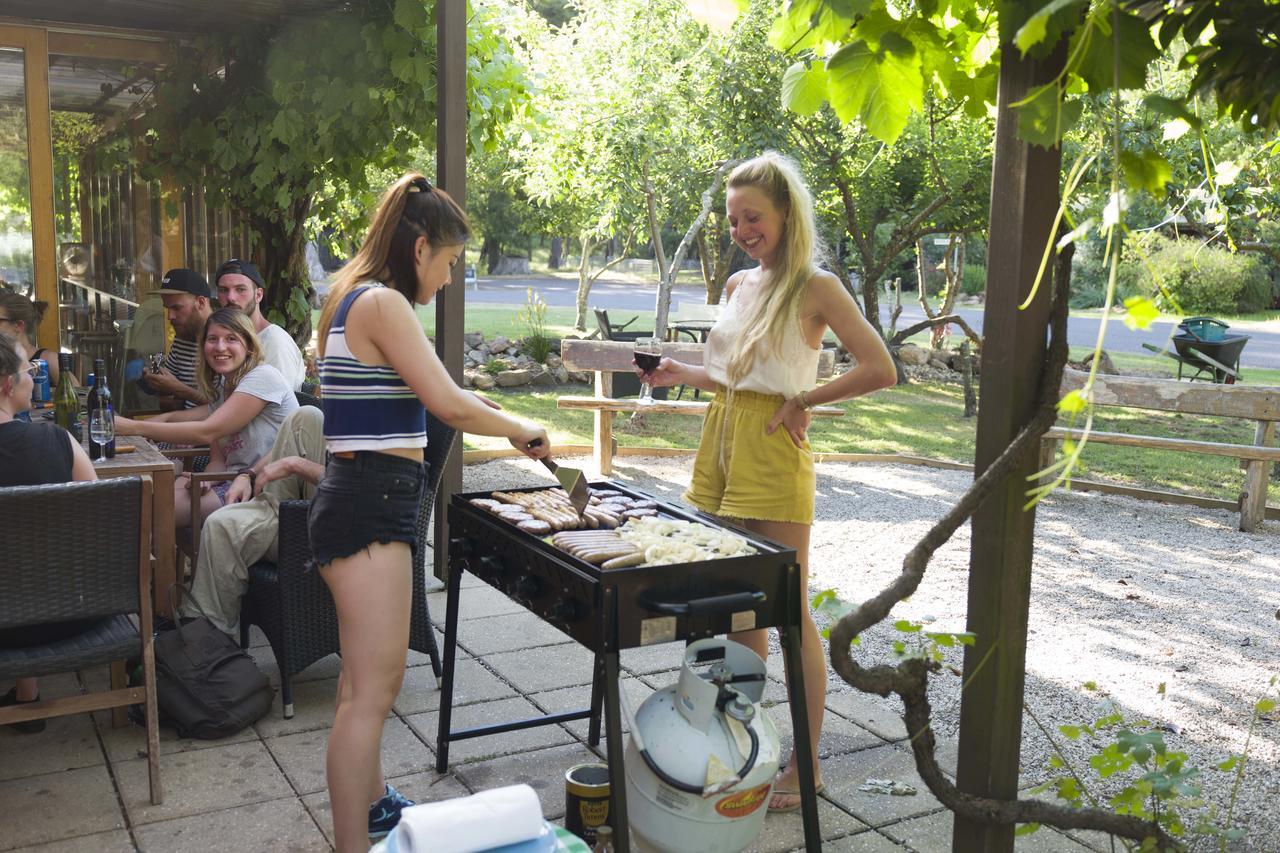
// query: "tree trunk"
[[556, 254], [584, 281], [669, 272], [280, 250], [491, 253]]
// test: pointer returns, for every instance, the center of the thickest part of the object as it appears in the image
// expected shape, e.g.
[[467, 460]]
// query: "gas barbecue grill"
[[607, 610]]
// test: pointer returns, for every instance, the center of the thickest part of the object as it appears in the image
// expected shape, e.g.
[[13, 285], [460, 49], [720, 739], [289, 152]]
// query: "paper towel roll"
[[467, 824]]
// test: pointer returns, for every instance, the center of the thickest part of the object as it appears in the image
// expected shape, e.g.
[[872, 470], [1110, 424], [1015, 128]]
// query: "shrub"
[[1204, 279], [974, 280]]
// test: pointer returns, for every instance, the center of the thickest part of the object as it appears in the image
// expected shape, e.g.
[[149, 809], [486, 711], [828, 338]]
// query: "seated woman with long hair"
[[32, 454], [249, 401]]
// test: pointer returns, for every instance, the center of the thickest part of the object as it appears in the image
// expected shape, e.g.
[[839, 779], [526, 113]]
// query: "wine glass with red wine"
[[648, 354]]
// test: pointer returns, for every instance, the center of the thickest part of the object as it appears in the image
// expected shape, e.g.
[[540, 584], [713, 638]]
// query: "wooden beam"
[[1257, 403], [44, 245], [1024, 201], [101, 46], [1209, 448], [451, 175], [615, 356]]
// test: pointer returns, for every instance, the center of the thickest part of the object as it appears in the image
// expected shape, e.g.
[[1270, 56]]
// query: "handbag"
[[207, 687]]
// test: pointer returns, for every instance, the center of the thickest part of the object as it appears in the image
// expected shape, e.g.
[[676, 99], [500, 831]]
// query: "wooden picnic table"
[[142, 457]]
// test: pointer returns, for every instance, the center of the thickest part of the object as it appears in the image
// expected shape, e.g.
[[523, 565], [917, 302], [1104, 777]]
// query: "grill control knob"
[[528, 587]]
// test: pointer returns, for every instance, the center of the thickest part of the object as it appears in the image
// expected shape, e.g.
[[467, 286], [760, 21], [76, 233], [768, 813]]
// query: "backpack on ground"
[[207, 687]]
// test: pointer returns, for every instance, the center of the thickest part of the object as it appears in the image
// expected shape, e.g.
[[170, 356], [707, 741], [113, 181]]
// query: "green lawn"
[[928, 420], [924, 419]]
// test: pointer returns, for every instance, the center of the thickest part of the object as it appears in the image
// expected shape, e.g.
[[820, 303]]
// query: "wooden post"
[[1253, 504], [451, 175], [602, 434], [44, 248], [1024, 200]]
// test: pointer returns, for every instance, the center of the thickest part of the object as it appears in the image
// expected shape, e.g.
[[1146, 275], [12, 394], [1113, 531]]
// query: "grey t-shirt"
[[253, 441], [279, 351]]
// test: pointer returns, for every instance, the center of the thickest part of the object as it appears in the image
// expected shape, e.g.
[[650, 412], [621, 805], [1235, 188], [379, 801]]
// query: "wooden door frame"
[[34, 43]]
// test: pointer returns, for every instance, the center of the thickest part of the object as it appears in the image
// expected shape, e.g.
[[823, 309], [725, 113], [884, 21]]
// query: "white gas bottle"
[[702, 755]]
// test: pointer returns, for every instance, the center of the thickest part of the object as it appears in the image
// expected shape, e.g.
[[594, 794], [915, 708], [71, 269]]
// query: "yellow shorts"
[[743, 472]]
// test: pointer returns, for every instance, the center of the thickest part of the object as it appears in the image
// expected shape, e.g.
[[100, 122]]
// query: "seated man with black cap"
[[240, 284], [187, 300]]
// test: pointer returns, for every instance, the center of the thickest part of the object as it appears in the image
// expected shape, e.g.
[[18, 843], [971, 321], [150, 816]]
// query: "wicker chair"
[[290, 602], [96, 566]]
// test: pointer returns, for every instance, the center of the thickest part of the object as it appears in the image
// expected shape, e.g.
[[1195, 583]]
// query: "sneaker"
[[385, 813], [27, 727]]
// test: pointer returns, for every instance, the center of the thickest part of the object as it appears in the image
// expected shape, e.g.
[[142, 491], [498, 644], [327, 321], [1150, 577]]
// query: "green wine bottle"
[[66, 406]]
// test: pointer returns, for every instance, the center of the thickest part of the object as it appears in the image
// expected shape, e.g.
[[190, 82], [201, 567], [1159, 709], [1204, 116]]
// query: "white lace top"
[[788, 371]]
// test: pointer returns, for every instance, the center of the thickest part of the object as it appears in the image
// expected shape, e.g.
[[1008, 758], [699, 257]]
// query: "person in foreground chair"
[[32, 454]]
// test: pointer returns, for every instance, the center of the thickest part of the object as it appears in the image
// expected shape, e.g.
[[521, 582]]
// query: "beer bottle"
[[66, 406], [102, 424], [604, 839]]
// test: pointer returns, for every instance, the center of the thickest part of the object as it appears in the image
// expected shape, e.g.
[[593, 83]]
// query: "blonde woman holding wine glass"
[[754, 463]]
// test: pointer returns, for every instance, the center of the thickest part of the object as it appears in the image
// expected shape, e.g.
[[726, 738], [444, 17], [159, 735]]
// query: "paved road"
[[1263, 350]]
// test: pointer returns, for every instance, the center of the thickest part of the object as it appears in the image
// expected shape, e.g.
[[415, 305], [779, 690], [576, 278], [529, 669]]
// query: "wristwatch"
[[253, 478], [802, 400]]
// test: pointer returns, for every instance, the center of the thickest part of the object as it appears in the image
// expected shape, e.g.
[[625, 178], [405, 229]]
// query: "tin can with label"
[[41, 393], [586, 800]]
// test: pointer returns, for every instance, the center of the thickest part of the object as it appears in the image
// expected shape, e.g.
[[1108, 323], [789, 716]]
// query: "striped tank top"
[[366, 406]]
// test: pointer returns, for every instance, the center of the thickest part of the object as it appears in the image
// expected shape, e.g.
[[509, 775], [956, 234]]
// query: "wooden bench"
[[604, 358], [1258, 404]]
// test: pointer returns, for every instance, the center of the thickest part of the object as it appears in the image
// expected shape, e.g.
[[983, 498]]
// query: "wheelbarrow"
[[1205, 349]]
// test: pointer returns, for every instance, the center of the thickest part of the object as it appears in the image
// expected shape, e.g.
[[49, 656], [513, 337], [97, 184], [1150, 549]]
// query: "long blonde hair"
[[409, 209], [233, 320], [782, 288]]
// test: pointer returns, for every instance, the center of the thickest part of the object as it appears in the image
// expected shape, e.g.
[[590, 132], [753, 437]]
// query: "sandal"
[[793, 807]]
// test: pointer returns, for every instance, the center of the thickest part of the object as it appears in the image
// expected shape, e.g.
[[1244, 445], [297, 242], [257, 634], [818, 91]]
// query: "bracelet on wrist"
[[252, 475], [802, 400]]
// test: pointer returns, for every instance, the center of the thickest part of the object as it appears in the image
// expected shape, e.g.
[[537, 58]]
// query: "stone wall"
[[500, 363]]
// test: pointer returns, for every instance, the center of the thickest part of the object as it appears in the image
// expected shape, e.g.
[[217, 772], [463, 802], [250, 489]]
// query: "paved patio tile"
[[871, 712], [838, 734], [64, 804], [932, 834], [312, 709], [66, 743], [130, 741], [542, 770], [276, 825], [506, 633], [203, 780], [476, 602], [490, 746], [784, 832], [471, 683], [844, 773], [420, 787], [112, 841], [548, 668], [302, 755], [863, 842], [573, 698], [645, 660]]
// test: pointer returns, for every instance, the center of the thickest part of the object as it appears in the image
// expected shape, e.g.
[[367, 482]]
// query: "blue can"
[[41, 393]]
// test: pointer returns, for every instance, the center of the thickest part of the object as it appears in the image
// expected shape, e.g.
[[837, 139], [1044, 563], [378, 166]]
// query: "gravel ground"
[[1126, 596]]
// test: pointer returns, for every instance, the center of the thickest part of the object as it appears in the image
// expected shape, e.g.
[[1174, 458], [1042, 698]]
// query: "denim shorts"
[[372, 498]]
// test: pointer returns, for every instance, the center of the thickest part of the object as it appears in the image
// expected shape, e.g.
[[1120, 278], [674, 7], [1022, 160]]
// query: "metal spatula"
[[572, 480]]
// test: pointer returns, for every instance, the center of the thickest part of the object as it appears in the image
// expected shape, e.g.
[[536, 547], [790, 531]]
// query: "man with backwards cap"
[[240, 284], [186, 297]]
